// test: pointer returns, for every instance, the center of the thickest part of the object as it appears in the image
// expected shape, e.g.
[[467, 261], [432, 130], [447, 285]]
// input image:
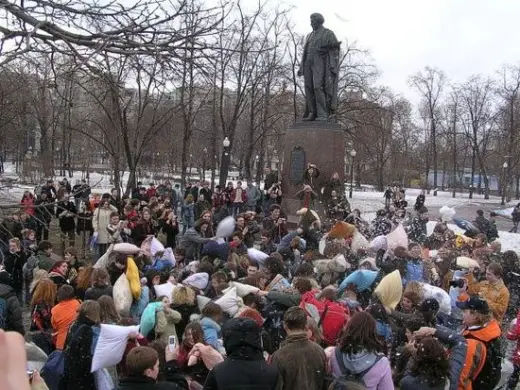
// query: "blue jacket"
[[414, 271], [211, 331]]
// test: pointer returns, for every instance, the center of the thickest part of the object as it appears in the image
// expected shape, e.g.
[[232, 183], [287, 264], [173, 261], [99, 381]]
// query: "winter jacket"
[[412, 382], [66, 211], [243, 195], [13, 310], [44, 262], [419, 202], [414, 271], [253, 195], [482, 224], [165, 325], [245, 366], [78, 356], [192, 242], [44, 211], [486, 337], [277, 230], [207, 193], [174, 380], [28, 205], [302, 363], [188, 214], [63, 315], [514, 335], [13, 263], [381, 226], [378, 377], [94, 293], [211, 331], [142, 230], [496, 295], [171, 231], [100, 222]]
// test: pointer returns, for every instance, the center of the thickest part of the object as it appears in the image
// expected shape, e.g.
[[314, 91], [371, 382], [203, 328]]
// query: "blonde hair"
[[183, 295], [416, 288], [38, 275], [91, 310]]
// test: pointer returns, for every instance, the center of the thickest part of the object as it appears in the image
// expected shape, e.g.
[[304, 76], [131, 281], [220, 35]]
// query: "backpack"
[[29, 267], [489, 375], [3, 314], [347, 376]]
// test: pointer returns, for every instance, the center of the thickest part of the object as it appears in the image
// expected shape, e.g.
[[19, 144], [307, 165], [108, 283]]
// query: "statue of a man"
[[319, 68]]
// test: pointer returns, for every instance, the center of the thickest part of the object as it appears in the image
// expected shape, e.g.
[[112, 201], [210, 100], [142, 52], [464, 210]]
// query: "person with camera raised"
[[493, 290]]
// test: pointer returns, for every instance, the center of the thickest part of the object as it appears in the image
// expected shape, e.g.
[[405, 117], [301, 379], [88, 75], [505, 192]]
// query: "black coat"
[[13, 263], [78, 357], [94, 293], [67, 222], [245, 366], [174, 380], [13, 317]]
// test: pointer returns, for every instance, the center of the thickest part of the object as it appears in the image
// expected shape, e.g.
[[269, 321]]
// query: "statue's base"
[[316, 142]]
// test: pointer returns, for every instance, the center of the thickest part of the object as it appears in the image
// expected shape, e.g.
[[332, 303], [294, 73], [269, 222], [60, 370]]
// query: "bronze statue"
[[320, 67]]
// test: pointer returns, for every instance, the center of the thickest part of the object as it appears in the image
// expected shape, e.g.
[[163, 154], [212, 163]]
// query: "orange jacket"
[[63, 315], [496, 295]]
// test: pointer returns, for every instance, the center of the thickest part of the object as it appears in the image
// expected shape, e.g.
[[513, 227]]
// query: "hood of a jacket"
[[242, 340], [207, 322], [486, 333], [5, 290], [359, 362]]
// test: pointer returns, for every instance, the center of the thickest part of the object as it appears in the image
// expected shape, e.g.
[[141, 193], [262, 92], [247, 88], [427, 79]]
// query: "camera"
[[457, 283]]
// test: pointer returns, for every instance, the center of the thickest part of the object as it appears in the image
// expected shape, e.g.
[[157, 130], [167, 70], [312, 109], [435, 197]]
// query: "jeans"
[[515, 228], [71, 238], [513, 379], [101, 248], [237, 208]]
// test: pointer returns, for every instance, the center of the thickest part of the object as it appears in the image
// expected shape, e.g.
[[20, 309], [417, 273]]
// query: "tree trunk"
[[473, 161]]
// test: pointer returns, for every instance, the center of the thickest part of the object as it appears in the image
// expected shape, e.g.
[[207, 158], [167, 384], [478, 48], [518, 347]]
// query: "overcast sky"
[[461, 37]]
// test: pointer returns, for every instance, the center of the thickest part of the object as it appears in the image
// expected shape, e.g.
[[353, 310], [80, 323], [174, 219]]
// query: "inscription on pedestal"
[[297, 166]]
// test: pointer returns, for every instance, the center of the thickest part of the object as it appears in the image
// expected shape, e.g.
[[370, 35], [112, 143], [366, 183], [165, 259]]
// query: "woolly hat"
[[254, 315]]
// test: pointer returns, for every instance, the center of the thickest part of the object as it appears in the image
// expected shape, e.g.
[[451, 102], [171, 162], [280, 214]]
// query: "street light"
[[504, 184], [224, 165], [204, 156], [352, 155]]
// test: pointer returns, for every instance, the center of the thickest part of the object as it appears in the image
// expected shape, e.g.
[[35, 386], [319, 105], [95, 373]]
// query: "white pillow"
[[202, 301], [122, 295], [229, 302], [358, 242], [124, 247], [380, 242], [397, 238], [111, 345], [440, 295], [156, 246], [226, 227], [257, 255], [164, 289], [103, 260], [466, 262], [242, 289], [199, 280]]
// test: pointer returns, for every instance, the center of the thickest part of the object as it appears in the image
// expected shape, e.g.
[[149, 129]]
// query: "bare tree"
[[478, 123], [509, 92], [430, 85], [86, 29]]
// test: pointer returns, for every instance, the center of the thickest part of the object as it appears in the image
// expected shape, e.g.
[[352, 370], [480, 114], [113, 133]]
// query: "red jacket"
[[234, 193], [151, 192], [28, 205], [514, 335]]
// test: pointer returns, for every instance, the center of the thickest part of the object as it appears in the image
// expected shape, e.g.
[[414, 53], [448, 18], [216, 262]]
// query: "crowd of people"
[[335, 302]]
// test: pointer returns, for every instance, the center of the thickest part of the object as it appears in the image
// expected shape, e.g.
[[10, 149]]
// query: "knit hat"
[[254, 315]]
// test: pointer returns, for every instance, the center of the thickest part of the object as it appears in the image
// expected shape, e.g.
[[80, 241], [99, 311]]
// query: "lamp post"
[[352, 155], [224, 165], [504, 184], [204, 156]]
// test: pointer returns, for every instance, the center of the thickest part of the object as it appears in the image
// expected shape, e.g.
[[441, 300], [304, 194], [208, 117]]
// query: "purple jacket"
[[379, 377]]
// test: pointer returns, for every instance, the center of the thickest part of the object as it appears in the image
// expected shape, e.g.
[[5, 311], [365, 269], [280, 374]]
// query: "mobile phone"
[[171, 343], [30, 375]]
